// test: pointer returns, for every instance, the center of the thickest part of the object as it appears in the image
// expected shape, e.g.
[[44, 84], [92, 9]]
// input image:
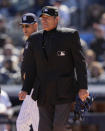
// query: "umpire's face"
[[28, 29], [49, 22]]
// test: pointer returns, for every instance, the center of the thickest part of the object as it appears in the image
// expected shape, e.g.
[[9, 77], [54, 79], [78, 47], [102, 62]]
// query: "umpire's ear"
[[35, 26], [57, 19]]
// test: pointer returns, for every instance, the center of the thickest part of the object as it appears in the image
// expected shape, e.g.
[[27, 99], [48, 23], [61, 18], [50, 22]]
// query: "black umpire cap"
[[28, 18], [50, 11]]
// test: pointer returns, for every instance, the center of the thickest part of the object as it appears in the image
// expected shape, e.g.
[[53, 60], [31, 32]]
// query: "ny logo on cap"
[[24, 18], [45, 10]]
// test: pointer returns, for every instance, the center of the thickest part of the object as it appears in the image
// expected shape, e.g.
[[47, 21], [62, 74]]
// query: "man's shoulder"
[[67, 30], [36, 34]]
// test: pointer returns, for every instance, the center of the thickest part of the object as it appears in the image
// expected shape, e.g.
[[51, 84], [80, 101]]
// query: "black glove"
[[79, 110]]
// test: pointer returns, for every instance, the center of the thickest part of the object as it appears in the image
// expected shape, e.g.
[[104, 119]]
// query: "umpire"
[[55, 66]]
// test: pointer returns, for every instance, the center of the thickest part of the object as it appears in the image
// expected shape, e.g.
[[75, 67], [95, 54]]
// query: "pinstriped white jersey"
[[28, 115]]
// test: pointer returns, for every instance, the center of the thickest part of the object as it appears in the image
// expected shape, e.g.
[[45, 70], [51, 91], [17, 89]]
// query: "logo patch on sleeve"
[[27, 44]]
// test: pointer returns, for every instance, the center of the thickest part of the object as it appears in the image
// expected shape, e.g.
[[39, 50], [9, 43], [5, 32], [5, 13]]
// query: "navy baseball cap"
[[50, 11], [28, 18]]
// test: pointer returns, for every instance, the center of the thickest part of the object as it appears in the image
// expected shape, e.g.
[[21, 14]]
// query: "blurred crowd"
[[88, 17]]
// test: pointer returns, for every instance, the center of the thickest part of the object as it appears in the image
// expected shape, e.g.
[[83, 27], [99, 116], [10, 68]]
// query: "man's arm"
[[28, 70], [80, 66]]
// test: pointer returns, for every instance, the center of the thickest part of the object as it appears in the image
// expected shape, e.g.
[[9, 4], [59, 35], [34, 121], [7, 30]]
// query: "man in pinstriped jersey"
[[29, 112]]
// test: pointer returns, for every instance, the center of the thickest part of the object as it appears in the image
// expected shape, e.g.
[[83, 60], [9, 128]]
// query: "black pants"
[[54, 118]]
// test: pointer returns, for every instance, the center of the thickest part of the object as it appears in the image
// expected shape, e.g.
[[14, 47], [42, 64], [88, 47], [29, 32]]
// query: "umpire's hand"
[[83, 94], [22, 95]]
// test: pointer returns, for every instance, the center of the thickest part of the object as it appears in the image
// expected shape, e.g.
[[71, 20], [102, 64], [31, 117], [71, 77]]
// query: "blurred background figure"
[[102, 19], [98, 44], [84, 44], [37, 6], [90, 57], [97, 73], [64, 13], [9, 52], [5, 6], [9, 73], [5, 104], [2, 24], [93, 14]]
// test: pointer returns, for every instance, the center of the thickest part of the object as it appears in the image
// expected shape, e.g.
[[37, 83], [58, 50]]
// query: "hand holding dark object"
[[81, 107], [83, 94], [79, 110]]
